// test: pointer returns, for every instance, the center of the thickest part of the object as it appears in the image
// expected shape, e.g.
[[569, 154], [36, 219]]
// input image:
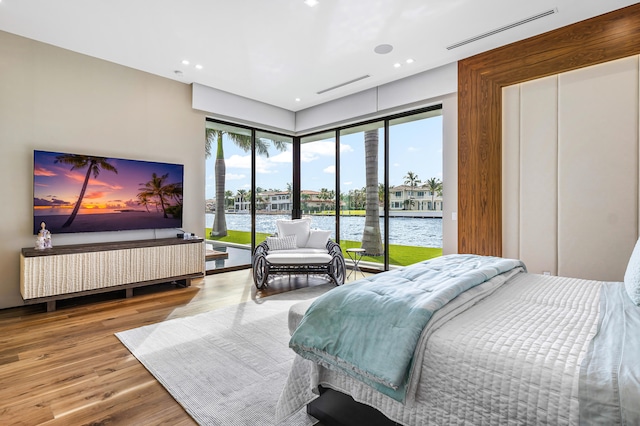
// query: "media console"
[[76, 270]]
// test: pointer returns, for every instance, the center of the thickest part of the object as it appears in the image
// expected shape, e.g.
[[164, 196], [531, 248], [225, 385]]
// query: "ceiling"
[[277, 51]]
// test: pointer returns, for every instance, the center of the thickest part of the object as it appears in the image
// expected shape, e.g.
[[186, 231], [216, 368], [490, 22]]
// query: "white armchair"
[[297, 249]]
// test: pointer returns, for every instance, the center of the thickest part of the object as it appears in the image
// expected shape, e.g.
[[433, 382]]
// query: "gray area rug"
[[227, 366]]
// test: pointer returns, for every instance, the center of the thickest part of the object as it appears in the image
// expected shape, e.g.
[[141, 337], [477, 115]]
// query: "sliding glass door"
[[376, 186], [318, 193], [273, 190], [415, 187], [228, 180], [362, 192]]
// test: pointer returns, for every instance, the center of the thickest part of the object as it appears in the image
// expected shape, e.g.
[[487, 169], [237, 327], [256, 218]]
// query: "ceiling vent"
[[343, 84], [504, 28]]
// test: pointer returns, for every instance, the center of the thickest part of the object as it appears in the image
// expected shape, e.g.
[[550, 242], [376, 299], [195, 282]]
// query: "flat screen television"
[[85, 193]]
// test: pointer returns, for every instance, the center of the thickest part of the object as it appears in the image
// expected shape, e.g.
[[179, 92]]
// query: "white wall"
[[570, 171], [56, 100]]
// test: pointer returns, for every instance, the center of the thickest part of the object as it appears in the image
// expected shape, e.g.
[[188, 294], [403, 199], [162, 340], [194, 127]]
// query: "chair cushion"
[[298, 227], [296, 257], [282, 243], [318, 239]]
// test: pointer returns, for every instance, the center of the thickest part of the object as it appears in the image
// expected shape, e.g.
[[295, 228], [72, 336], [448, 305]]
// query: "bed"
[[504, 347]]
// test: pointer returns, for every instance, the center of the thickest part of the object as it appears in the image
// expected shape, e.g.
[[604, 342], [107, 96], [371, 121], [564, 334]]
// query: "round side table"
[[355, 254]]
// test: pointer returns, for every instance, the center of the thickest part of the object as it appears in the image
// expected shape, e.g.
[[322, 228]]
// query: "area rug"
[[227, 366]]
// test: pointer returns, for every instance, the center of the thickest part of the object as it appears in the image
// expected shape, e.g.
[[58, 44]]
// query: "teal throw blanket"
[[369, 329]]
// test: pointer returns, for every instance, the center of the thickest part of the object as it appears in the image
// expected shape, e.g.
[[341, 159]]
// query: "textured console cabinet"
[[74, 270]]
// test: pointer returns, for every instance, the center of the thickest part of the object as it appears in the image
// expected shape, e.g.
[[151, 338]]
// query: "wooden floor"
[[67, 368]]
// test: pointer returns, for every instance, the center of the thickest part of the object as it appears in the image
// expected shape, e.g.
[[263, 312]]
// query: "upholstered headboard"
[[570, 202]]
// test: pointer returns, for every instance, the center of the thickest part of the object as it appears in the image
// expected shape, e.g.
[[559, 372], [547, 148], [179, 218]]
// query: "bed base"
[[334, 408]]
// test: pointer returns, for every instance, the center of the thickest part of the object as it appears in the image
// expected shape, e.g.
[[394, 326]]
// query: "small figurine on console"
[[43, 240]]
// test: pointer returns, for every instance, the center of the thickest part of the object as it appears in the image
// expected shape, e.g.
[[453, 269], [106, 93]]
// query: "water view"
[[420, 232]]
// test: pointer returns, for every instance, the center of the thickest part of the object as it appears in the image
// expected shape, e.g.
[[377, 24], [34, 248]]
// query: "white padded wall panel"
[[539, 174], [598, 169], [511, 172]]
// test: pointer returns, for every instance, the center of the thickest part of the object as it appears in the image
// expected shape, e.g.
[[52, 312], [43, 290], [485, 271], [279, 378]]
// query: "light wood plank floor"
[[67, 368]]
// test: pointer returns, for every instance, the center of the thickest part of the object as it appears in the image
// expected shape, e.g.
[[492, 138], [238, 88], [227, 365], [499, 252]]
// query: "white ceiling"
[[275, 51]]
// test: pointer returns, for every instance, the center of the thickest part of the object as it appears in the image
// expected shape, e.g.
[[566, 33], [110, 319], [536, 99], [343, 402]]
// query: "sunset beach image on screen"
[[89, 193]]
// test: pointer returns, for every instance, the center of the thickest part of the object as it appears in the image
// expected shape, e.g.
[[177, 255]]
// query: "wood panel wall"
[[481, 78]]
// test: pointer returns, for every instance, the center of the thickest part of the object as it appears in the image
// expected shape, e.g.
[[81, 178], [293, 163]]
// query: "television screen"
[[84, 193]]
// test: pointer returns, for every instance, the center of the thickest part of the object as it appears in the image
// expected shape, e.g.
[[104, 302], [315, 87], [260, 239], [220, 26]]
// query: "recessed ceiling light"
[[383, 49], [409, 61], [397, 65], [311, 3], [297, 99], [185, 62], [198, 67]]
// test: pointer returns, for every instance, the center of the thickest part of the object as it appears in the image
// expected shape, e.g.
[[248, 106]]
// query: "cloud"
[[413, 149], [282, 157], [330, 170], [53, 202], [347, 183], [238, 161], [79, 177], [95, 195], [235, 176], [40, 171], [345, 148]]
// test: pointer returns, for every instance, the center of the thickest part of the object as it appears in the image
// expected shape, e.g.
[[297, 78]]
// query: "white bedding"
[[500, 354]]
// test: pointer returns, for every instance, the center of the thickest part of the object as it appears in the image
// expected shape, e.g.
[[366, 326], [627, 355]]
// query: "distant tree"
[[411, 179], [434, 186]]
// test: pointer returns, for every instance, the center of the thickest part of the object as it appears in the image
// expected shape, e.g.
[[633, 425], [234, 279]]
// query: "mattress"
[[507, 353]]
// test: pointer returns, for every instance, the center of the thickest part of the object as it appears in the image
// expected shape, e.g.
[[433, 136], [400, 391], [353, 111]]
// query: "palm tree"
[[145, 201], [243, 142], [324, 196], [412, 180], [93, 164], [241, 196], [371, 238], [156, 188], [434, 186], [228, 195]]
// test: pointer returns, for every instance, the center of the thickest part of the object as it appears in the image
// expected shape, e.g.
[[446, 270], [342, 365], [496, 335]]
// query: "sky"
[[414, 146], [56, 185]]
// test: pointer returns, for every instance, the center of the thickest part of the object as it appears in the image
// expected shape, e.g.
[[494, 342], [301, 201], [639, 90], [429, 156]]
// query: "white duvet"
[[505, 352]]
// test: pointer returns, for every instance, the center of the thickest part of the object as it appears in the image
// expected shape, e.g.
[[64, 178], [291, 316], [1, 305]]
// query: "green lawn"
[[398, 255]]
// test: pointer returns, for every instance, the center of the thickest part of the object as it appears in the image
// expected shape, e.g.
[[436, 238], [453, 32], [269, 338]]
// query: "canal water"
[[421, 232]]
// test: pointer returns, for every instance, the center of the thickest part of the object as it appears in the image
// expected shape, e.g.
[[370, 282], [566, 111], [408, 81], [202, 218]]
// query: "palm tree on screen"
[[158, 189], [371, 238], [243, 142], [93, 164]]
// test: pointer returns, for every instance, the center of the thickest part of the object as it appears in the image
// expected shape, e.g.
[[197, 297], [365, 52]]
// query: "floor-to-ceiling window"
[[274, 182], [362, 192], [415, 187], [228, 184], [318, 180], [377, 186], [236, 208]]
